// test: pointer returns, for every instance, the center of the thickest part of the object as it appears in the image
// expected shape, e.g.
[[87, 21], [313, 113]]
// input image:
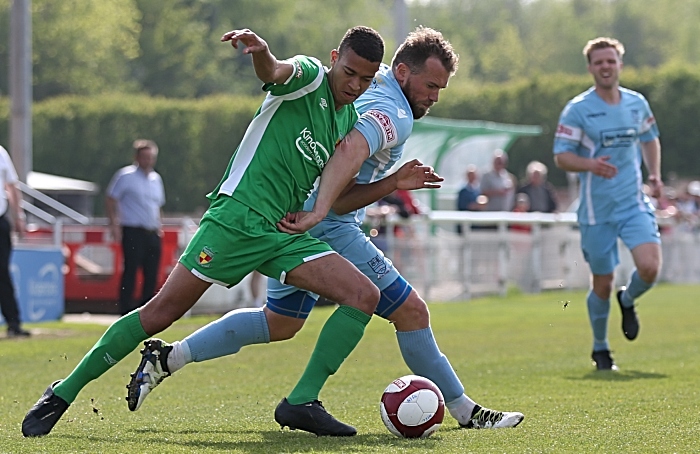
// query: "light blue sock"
[[598, 313], [424, 358], [635, 288], [228, 334]]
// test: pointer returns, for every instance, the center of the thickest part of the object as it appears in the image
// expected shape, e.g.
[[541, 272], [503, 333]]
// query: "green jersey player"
[[294, 136]]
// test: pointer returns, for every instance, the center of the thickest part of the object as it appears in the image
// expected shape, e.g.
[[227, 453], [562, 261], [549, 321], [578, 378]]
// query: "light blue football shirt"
[[386, 122], [590, 128]]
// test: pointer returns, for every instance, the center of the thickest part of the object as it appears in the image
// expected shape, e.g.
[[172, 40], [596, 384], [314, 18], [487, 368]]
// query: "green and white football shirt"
[[288, 143]]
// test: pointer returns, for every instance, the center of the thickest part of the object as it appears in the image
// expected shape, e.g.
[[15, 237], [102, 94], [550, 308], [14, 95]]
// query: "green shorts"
[[233, 240]]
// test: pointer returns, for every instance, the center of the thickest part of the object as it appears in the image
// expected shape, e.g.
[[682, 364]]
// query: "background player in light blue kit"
[[600, 135], [399, 94]]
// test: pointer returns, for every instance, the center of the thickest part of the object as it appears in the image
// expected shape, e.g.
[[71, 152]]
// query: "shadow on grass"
[[267, 440], [627, 375]]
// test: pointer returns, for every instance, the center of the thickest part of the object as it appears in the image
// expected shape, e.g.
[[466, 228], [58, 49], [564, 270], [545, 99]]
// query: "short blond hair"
[[144, 144], [603, 43]]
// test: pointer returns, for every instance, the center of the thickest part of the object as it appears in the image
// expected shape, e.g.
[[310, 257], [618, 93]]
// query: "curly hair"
[[421, 44], [365, 42]]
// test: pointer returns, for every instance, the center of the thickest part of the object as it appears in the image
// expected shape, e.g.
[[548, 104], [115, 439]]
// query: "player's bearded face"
[[418, 109], [350, 76], [422, 89]]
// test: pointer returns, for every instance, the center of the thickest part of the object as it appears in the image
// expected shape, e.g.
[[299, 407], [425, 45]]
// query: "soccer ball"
[[412, 407]]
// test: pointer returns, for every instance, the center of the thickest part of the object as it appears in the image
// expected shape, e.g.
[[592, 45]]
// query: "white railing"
[[53, 203], [532, 251]]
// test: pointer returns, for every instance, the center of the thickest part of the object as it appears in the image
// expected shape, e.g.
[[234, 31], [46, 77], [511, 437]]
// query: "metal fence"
[[498, 250]]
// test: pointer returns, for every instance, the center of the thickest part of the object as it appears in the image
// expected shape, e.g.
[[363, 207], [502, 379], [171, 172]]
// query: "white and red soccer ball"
[[412, 407]]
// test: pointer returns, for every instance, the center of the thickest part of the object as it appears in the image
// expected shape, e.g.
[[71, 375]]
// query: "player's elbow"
[[558, 161], [341, 208]]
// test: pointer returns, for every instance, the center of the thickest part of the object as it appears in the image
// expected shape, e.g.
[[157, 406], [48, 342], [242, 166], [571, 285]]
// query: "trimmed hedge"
[[90, 138]]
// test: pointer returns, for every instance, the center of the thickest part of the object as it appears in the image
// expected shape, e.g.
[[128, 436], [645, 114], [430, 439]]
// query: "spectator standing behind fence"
[[134, 200], [600, 135], [468, 195], [12, 218], [499, 185], [539, 191], [470, 192]]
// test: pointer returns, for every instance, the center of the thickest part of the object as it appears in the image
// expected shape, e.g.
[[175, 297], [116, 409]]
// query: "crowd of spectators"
[[499, 190]]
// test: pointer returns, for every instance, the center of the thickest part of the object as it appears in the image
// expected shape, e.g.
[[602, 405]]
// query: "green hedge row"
[[89, 138]]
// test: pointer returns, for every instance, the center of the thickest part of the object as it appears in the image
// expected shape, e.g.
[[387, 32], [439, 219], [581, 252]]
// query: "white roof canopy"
[[46, 182]]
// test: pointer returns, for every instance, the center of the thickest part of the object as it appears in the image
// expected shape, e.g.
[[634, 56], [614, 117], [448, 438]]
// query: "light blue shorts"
[[599, 242], [349, 240]]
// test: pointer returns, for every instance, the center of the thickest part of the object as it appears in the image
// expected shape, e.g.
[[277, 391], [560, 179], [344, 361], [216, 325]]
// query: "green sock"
[[339, 336], [119, 340]]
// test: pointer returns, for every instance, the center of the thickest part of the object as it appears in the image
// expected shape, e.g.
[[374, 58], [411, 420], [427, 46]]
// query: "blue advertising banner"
[[38, 279]]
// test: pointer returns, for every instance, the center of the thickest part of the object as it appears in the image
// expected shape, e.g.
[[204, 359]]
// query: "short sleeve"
[[9, 174], [115, 188], [649, 129], [569, 131], [306, 70]]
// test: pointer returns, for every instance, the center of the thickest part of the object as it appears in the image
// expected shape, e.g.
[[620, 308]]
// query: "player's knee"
[[412, 315], [366, 299], [420, 311], [603, 285], [649, 271]]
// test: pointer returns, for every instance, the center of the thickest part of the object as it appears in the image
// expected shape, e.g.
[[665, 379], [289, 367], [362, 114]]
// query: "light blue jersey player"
[[606, 133], [592, 128], [399, 94], [387, 110], [386, 122]]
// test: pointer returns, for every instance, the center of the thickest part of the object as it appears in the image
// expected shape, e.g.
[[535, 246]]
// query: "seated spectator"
[[522, 205], [539, 191]]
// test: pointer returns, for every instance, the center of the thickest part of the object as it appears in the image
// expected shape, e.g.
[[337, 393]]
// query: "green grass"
[[523, 352]]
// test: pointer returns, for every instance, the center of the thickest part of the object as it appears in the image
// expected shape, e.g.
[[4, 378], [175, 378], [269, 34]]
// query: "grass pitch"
[[529, 353]]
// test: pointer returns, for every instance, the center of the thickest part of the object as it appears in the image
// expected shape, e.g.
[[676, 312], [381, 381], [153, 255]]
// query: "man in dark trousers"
[[11, 217], [134, 200]]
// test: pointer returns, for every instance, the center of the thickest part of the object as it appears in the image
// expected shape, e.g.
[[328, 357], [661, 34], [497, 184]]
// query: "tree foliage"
[[79, 46], [172, 48], [520, 61]]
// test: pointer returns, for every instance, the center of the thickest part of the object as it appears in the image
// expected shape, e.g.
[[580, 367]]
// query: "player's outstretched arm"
[[571, 162], [341, 168], [412, 175], [267, 67]]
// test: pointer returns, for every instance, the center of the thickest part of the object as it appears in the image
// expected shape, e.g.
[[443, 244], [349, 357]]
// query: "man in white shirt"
[[11, 217], [134, 200]]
